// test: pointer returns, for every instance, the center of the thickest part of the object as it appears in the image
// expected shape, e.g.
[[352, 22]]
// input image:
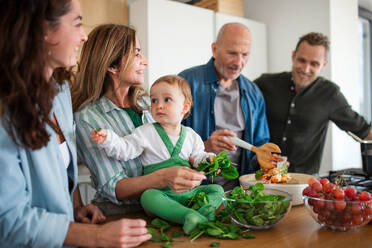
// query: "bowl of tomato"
[[337, 208]]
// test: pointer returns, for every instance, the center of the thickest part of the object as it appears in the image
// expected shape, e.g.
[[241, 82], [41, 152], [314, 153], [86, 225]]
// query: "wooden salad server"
[[264, 154]]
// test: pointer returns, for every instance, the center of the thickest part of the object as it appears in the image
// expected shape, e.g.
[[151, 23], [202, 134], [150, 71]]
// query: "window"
[[365, 62]]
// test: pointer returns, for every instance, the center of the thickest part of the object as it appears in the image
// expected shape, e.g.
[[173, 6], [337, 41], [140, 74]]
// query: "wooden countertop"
[[297, 229]]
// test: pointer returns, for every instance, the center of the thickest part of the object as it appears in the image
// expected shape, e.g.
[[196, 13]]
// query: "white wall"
[[170, 38], [176, 36], [344, 71], [286, 21]]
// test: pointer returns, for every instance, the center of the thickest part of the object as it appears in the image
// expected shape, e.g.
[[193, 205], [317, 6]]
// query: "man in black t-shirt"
[[300, 103]]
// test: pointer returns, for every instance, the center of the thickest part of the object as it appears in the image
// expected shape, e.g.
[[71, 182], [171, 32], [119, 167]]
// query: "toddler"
[[163, 144]]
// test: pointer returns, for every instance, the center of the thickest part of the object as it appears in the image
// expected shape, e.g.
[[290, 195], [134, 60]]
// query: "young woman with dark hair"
[[37, 133]]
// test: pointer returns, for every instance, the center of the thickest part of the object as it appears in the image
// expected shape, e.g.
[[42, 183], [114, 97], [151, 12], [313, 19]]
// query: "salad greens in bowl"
[[256, 207]]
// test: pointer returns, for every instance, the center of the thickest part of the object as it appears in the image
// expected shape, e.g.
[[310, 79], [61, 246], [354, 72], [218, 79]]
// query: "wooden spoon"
[[264, 153]]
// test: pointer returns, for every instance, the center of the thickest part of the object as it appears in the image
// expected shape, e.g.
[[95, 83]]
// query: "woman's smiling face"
[[63, 42]]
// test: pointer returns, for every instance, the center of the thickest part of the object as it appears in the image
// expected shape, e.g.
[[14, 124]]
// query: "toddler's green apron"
[[169, 205]]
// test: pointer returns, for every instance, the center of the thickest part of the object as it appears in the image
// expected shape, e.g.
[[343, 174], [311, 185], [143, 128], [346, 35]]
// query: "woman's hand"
[[89, 214], [123, 233], [218, 142], [120, 233], [98, 135], [180, 178]]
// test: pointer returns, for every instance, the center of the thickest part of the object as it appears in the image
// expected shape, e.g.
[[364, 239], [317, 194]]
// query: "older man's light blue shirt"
[[35, 201]]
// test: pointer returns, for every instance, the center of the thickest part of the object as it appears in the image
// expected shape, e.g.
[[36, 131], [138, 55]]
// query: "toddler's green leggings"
[[170, 206]]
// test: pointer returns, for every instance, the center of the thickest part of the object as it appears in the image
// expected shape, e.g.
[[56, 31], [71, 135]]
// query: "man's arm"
[[346, 118], [369, 136]]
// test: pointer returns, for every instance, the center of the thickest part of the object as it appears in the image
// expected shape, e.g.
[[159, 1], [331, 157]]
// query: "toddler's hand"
[[98, 135]]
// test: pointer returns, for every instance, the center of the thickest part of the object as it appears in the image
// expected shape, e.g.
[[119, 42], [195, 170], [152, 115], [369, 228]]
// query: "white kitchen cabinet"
[[175, 36]]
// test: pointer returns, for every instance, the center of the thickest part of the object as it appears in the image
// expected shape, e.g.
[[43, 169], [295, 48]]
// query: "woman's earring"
[[49, 52]]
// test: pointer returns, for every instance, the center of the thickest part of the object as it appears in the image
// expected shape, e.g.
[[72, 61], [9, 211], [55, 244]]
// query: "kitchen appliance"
[[355, 177], [360, 178], [366, 149]]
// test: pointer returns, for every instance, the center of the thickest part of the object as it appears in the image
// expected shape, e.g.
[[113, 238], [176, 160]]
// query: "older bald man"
[[226, 103]]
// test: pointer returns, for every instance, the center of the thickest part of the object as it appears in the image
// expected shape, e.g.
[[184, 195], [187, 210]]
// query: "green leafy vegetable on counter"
[[217, 230], [167, 245], [254, 207], [248, 236], [214, 244], [162, 226], [221, 164], [152, 231], [221, 228], [176, 234]]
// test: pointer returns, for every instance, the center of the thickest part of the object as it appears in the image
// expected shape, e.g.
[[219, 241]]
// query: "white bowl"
[[294, 188]]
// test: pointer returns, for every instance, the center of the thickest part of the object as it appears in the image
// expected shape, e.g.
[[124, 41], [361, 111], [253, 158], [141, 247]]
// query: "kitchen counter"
[[297, 229]]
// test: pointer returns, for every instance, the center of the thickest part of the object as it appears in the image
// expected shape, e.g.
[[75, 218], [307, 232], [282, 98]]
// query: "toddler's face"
[[167, 103]]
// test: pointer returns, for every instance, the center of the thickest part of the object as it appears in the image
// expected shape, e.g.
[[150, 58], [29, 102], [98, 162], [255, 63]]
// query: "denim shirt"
[[204, 84], [35, 201]]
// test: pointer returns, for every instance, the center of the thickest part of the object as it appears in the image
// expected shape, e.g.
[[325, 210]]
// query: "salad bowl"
[[258, 208], [295, 186]]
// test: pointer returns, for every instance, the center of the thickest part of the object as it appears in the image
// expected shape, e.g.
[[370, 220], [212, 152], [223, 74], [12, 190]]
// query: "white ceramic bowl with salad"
[[257, 208], [295, 185]]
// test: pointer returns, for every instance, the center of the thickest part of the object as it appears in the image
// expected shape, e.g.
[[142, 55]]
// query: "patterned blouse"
[[107, 172]]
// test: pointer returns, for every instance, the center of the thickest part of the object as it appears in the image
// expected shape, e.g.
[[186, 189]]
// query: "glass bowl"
[[339, 215], [258, 215]]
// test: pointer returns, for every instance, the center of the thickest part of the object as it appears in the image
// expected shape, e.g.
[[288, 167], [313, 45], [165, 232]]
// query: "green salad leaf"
[[176, 234], [283, 169], [160, 224], [259, 174], [221, 164], [197, 201]]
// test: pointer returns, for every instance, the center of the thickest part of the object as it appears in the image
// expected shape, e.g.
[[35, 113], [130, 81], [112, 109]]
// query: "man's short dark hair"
[[315, 39]]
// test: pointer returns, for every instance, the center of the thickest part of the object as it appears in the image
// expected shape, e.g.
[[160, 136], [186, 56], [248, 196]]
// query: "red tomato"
[[350, 192], [329, 187], [312, 180], [339, 194], [356, 208], [330, 206], [340, 204], [368, 210], [365, 196], [320, 204], [357, 220], [316, 186], [324, 181], [306, 191]]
